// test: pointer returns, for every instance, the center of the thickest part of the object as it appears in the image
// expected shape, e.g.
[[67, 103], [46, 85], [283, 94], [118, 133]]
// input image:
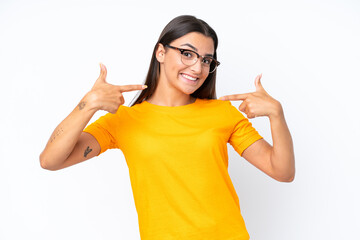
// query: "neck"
[[170, 101], [168, 95]]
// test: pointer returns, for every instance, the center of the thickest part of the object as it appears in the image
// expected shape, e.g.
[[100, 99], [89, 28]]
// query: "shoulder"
[[232, 111], [126, 112], [123, 109], [214, 103], [219, 105], [222, 109]]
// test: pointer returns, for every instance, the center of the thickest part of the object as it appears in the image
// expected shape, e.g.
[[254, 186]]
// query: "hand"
[[258, 103], [108, 97]]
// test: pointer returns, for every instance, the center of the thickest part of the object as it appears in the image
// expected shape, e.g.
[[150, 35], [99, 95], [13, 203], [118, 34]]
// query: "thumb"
[[103, 73], [258, 84]]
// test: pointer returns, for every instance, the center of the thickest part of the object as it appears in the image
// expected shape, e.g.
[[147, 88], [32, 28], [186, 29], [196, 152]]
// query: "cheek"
[[204, 76], [202, 82], [174, 65], [173, 60]]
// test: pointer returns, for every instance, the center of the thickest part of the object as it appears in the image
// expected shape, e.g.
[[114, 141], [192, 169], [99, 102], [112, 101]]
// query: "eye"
[[207, 60], [188, 54]]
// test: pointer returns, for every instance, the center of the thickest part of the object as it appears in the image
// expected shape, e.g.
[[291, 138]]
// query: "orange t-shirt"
[[178, 166]]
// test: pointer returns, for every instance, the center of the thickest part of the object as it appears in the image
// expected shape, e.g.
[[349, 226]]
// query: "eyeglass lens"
[[189, 58]]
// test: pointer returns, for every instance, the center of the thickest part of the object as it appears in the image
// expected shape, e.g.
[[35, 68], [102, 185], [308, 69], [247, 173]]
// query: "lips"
[[189, 77]]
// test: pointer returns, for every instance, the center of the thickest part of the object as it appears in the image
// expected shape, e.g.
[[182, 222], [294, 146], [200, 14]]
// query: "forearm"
[[66, 134], [282, 155]]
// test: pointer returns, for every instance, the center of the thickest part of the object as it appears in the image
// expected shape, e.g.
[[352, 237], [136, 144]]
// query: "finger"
[[122, 100], [258, 85], [242, 106], [247, 112], [234, 97], [103, 73], [129, 88]]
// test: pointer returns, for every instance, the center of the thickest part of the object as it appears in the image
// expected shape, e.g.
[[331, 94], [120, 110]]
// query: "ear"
[[160, 53]]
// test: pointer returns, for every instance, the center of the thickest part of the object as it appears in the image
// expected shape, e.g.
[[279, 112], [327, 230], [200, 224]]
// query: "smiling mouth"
[[189, 77]]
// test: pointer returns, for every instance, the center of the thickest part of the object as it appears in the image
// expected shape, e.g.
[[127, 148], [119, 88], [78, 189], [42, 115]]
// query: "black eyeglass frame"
[[182, 50]]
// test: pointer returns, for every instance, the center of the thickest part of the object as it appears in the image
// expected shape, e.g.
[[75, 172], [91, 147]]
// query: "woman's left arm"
[[277, 161]]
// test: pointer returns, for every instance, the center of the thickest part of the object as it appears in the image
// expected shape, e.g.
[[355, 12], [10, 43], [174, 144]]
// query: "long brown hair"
[[175, 29]]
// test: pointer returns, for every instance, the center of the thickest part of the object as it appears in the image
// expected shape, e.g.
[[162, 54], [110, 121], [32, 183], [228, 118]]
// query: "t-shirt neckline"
[[171, 108]]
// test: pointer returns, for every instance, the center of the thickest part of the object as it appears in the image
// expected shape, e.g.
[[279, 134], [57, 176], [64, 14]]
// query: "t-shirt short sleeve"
[[243, 134], [104, 130]]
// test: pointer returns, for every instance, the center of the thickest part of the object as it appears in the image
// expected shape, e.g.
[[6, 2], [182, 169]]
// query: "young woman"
[[174, 138]]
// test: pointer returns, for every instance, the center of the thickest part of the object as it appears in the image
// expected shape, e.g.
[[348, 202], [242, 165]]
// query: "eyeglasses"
[[190, 57]]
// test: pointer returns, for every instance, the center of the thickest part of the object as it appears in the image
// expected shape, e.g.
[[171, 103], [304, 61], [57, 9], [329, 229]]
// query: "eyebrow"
[[195, 49]]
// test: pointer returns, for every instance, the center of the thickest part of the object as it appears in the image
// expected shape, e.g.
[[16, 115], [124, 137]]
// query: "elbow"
[[285, 174], [42, 160], [286, 178], [44, 163]]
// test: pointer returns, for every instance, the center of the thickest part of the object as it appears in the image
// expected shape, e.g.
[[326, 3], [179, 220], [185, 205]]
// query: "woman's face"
[[186, 79]]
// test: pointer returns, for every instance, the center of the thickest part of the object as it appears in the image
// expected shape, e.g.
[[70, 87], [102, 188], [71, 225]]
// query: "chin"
[[189, 89], [189, 92]]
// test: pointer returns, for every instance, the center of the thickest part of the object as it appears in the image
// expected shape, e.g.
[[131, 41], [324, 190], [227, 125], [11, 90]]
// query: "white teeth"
[[188, 77]]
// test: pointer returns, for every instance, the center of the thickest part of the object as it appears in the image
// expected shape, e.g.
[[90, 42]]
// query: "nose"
[[197, 67]]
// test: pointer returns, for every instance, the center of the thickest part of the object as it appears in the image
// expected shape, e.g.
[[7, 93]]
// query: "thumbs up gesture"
[[108, 97], [258, 103]]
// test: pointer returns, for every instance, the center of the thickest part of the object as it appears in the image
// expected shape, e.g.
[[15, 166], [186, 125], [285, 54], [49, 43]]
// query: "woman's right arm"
[[68, 139], [68, 144]]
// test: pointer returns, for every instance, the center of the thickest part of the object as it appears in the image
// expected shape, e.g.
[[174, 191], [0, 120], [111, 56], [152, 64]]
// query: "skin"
[[277, 161], [172, 90], [69, 145]]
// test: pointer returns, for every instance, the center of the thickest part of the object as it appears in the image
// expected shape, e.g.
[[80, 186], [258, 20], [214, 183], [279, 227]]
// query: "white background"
[[308, 52]]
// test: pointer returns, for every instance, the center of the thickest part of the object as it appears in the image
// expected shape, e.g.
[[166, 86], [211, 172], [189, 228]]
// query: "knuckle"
[[113, 110]]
